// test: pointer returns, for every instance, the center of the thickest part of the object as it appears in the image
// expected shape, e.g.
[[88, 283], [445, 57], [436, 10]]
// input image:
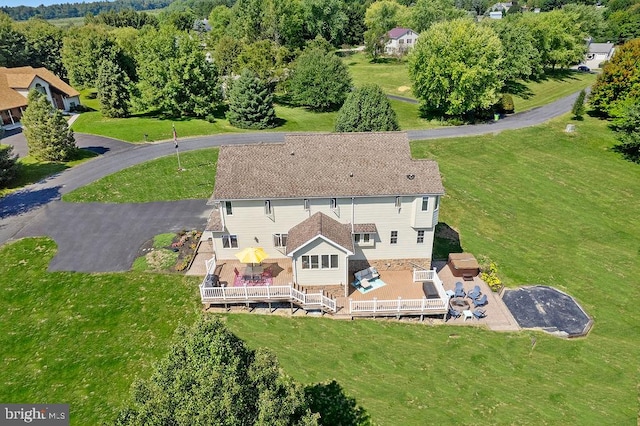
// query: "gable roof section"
[[12, 79], [325, 165], [319, 225], [600, 48], [398, 32]]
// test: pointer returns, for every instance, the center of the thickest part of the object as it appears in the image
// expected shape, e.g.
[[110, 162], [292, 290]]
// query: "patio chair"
[[459, 290], [480, 301], [235, 271], [479, 313], [454, 313], [475, 293]]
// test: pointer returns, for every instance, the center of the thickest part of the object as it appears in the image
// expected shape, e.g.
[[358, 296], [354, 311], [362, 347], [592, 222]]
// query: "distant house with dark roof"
[[599, 53], [15, 84], [332, 203], [400, 40]]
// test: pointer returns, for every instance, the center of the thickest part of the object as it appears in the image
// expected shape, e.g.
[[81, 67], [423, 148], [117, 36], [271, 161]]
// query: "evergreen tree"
[[251, 103], [46, 130], [578, 106], [8, 162], [366, 109], [113, 89]]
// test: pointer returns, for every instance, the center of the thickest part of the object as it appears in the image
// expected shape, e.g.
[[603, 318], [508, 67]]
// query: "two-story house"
[[333, 203], [400, 40]]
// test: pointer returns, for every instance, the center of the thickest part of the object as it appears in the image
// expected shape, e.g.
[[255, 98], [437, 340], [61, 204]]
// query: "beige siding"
[[254, 228], [320, 276]]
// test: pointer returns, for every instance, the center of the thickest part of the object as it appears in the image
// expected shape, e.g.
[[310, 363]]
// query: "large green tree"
[[456, 67], [251, 103], [46, 130], [44, 41], [83, 49], [174, 75], [320, 80], [13, 44], [628, 127], [325, 18], [113, 89], [210, 377], [366, 109], [619, 80], [521, 57], [427, 12]]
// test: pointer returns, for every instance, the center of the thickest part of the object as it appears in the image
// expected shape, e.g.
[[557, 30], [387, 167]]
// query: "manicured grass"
[[549, 208], [563, 83], [390, 74], [82, 339], [32, 170], [157, 180]]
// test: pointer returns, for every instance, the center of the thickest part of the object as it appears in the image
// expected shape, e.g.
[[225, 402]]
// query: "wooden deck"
[[281, 271]]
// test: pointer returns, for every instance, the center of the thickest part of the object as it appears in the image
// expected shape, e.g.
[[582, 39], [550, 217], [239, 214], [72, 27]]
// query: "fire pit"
[[459, 303]]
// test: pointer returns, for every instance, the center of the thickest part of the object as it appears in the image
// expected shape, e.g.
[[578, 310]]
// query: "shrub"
[[505, 105], [490, 276], [8, 164]]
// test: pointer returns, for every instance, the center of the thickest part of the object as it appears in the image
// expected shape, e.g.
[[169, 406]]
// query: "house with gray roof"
[[598, 53], [332, 203]]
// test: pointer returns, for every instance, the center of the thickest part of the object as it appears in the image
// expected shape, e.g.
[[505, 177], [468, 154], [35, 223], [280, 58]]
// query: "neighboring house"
[[598, 53], [333, 203], [15, 84], [400, 40]]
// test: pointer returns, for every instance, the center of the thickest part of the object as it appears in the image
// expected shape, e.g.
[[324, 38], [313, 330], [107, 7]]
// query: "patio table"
[[253, 272]]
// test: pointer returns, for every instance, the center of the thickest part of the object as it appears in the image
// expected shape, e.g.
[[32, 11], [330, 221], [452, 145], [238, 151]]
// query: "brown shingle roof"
[[325, 165], [20, 78], [319, 224], [365, 228]]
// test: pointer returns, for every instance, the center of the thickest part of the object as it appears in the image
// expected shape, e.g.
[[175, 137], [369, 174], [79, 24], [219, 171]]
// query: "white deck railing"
[[400, 305], [265, 293]]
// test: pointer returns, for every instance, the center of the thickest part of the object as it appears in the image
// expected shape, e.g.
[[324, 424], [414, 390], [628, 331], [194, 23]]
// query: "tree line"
[[74, 10]]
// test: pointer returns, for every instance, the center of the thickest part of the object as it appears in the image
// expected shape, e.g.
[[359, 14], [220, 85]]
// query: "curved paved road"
[[100, 237]]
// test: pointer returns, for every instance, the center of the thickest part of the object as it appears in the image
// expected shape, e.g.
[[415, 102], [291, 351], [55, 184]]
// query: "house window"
[[280, 240], [398, 202], [334, 203], [420, 237], [408, 41], [401, 41], [394, 237], [230, 241], [425, 204], [267, 208], [362, 239], [310, 262], [306, 203], [329, 261], [228, 208]]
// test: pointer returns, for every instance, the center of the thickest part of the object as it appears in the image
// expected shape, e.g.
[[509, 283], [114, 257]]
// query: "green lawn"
[[554, 87], [393, 76], [82, 339], [549, 207], [139, 183], [32, 170]]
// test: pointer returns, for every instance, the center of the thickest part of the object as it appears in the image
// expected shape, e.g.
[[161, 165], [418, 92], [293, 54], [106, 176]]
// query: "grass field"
[[549, 207], [139, 183], [393, 76], [82, 339], [32, 170]]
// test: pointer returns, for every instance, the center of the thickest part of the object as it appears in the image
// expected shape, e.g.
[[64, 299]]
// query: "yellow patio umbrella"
[[252, 255]]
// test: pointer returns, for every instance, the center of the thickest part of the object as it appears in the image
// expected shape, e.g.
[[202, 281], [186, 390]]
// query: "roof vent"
[[411, 177], [350, 174], [292, 153]]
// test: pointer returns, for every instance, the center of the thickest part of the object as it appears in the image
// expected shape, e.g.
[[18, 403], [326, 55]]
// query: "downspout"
[[221, 211]]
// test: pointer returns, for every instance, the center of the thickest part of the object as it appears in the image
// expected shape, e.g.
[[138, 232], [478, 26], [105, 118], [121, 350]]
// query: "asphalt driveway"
[[96, 237]]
